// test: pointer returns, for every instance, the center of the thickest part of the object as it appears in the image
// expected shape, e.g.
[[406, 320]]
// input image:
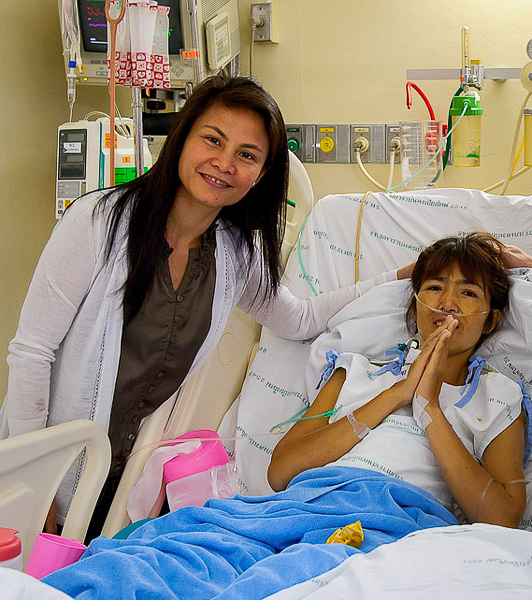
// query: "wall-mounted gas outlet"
[[301, 141], [371, 147], [392, 141], [332, 143], [267, 30]]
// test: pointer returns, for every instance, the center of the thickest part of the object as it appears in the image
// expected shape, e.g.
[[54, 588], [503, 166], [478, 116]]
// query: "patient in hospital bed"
[[435, 417], [444, 428]]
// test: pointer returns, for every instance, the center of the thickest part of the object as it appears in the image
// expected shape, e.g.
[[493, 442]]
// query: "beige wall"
[[345, 61], [33, 104], [341, 61]]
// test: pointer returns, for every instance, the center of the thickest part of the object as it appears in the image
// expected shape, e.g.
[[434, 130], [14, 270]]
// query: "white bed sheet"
[[463, 561], [15, 585], [394, 229]]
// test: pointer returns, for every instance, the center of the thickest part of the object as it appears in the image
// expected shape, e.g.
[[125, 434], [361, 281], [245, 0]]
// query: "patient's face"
[[450, 292]]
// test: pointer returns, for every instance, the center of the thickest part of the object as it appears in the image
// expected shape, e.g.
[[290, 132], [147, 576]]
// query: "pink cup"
[[211, 453], [51, 552]]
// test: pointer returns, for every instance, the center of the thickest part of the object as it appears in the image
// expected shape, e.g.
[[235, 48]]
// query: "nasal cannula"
[[447, 313]]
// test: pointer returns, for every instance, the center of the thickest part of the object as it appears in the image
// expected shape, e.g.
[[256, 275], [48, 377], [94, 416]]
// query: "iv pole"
[[136, 104]]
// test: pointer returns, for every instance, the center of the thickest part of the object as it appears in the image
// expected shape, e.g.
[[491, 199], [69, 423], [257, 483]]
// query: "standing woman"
[[134, 288]]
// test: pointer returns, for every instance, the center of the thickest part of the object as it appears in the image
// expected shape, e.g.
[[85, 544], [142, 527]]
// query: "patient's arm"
[[315, 443], [493, 492]]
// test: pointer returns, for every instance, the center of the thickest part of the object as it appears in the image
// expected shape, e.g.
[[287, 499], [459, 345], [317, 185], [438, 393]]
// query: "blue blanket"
[[251, 547]]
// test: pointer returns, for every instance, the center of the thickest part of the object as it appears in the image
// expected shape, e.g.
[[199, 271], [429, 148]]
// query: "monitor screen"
[[183, 23], [93, 25]]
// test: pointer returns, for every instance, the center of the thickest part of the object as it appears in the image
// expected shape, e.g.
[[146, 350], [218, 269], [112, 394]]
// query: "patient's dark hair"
[[478, 255]]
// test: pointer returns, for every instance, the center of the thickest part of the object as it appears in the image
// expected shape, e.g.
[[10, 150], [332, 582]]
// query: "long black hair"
[[258, 216]]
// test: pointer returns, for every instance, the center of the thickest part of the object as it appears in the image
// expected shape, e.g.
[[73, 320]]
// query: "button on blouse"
[[159, 345]]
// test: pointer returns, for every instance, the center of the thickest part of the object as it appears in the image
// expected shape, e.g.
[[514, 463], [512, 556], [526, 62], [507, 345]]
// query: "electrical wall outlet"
[[267, 32], [392, 133], [374, 134]]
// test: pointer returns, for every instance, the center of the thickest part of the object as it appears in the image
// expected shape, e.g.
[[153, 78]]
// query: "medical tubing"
[[410, 84], [434, 180], [359, 226], [447, 313], [390, 174], [121, 127], [519, 152], [279, 428], [112, 24], [357, 239], [449, 125], [516, 160], [514, 176], [514, 145], [436, 154], [303, 271], [365, 172], [274, 431]]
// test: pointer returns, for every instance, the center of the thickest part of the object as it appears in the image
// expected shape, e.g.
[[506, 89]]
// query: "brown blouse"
[[159, 345]]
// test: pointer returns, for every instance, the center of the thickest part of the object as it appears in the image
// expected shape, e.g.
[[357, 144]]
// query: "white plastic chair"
[[208, 394], [32, 467]]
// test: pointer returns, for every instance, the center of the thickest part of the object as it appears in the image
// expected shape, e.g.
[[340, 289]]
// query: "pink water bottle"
[[192, 478], [10, 549]]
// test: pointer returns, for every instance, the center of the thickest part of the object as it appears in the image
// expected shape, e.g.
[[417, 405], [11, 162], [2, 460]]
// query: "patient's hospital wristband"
[[361, 429], [421, 416]]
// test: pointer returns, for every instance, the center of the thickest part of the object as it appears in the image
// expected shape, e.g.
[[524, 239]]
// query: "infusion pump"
[[83, 150]]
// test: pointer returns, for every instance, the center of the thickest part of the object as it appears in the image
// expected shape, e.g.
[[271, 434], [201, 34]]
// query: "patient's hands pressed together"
[[434, 370], [429, 365]]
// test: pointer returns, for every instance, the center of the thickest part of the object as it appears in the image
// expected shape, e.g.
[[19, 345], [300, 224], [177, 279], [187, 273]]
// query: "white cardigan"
[[63, 360]]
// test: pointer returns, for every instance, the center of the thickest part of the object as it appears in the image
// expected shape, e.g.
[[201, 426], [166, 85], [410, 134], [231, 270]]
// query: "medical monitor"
[[215, 22]]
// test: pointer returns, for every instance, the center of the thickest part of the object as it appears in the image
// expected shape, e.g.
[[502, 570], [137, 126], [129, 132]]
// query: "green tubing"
[[303, 270], [449, 126]]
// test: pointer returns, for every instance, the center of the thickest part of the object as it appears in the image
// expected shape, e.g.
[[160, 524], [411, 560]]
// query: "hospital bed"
[[486, 561], [32, 467], [387, 231], [345, 234]]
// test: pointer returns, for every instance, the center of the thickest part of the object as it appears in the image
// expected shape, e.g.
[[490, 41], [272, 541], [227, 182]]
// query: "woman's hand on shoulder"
[[515, 257], [406, 271]]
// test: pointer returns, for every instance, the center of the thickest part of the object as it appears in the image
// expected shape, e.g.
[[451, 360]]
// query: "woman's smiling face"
[[223, 156], [450, 292]]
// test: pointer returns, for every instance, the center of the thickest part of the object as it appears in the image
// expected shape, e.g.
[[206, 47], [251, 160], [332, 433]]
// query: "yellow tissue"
[[351, 535]]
